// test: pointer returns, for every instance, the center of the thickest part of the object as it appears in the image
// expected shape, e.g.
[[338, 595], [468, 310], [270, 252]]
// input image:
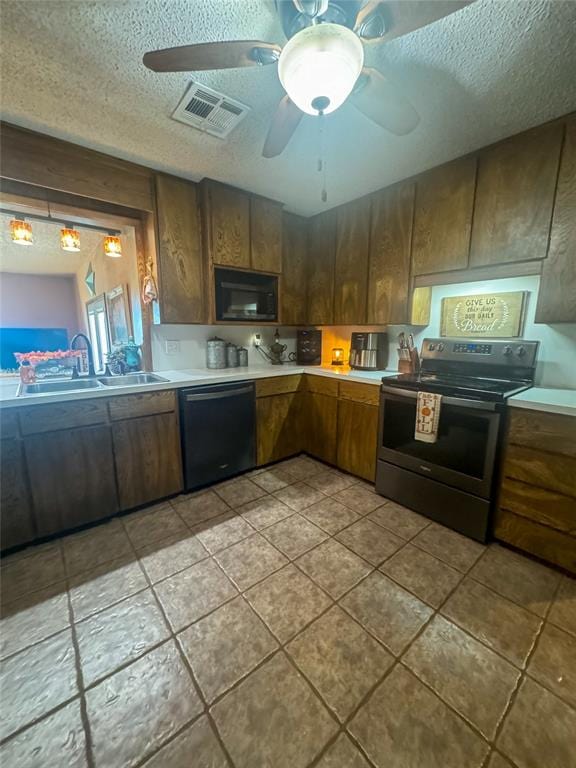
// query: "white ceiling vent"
[[209, 111]]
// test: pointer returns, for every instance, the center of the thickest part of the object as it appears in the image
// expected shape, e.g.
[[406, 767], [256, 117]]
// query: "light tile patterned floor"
[[290, 618]]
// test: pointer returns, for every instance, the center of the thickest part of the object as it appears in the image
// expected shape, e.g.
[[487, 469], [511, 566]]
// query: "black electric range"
[[452, 480]]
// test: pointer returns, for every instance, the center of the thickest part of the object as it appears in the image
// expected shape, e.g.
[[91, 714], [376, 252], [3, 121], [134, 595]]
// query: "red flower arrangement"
[[43, 357]]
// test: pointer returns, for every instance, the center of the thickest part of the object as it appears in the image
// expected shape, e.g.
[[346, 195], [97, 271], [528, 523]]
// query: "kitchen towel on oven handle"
[[427, 417]]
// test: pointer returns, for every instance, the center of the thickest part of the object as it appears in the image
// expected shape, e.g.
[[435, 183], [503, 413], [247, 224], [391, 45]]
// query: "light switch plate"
[[172, 347]]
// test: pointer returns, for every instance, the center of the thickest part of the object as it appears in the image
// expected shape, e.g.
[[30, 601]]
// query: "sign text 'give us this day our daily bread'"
[[492, 315]]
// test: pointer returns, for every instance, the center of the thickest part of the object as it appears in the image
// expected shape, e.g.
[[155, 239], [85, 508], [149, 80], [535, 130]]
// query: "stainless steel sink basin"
[[132, 379], [45, 387]]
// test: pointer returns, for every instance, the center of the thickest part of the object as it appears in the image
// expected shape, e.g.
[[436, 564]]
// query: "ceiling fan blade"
[[386, 19], [284, 123], [382, 102], [193, 58]]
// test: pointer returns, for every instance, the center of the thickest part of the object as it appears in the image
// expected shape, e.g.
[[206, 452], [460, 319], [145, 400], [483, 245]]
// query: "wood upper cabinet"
[[515, 196], [265, 235], [227, 221], [443, 217], [390, 246], [148, 458], [557, 294], [180, 258], [321, 253], [294, 270], [72, 479], [351, 261]]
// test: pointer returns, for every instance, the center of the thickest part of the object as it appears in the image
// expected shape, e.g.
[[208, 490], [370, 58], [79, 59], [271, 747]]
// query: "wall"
[[557, 356], [557, 353], [192, 340], [38, 301]]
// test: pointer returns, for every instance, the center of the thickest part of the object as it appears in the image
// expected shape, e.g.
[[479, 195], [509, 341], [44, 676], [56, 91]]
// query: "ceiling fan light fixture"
[[319, 67]]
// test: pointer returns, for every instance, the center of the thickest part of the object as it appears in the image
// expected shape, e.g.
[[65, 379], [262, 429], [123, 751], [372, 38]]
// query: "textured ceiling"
[[72, 68]]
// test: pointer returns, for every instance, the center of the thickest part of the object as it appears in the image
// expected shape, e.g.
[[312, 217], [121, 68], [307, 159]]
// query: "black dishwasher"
[[218, 424]]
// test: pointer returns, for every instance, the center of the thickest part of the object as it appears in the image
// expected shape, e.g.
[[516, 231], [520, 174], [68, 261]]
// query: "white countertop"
[[192, 377], [561, 401]]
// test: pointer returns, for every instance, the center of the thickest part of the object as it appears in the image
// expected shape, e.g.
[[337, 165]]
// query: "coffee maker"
[[369, 351]]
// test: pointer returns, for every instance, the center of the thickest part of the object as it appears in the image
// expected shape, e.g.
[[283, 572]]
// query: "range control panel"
[[517, 353]]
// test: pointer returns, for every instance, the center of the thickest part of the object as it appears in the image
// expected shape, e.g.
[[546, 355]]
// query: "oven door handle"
[[481, 405]]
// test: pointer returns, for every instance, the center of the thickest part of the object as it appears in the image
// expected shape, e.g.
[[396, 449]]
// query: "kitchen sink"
[[132, 379], [45, 387]]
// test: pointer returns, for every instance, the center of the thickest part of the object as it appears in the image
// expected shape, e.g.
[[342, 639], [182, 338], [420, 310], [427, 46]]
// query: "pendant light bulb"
[[113, 246], [70, 239], [21, 232]]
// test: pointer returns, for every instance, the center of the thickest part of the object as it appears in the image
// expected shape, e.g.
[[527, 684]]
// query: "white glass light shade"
[[319, 66]]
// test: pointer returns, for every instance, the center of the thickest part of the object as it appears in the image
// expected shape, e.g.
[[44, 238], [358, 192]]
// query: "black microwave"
[[245, 296]]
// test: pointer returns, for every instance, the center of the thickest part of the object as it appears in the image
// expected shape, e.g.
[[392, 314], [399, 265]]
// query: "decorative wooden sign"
[[491, 315]]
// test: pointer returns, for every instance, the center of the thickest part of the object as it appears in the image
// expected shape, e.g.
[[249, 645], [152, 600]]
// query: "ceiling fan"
[[322, 64]]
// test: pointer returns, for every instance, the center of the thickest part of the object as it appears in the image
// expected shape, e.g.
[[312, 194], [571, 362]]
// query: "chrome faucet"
[[91, 370]]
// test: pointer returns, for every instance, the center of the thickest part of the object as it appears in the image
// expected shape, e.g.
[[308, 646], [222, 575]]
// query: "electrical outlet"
[[172, 347], [257, 340]]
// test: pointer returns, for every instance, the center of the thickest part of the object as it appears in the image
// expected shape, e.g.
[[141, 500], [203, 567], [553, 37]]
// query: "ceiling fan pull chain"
[[322, 158]]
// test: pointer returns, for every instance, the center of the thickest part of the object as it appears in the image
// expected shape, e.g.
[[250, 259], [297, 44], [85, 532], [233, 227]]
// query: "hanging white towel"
[[427, 417]]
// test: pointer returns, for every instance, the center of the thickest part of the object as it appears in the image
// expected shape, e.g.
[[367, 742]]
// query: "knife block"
[[411, 365]]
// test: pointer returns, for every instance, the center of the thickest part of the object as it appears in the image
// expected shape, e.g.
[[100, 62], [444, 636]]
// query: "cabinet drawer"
[[321, 385], [9, 422], [131, 406], [543, 431], [278, 385], [48, 418], [546, 507], [546, 543], [360, 393], [544, 470]]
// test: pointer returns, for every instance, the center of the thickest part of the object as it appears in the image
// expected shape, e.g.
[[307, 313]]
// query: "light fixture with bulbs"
[[21, 232], [319, 67], [113, 246], [70, 239]]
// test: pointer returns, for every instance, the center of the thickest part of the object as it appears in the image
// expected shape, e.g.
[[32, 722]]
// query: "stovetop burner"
[[486, 370]]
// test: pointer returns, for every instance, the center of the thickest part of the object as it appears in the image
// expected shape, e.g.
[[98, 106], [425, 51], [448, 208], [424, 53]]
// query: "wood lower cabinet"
[[148, 459], [537, 499], [16, 521], [515, 197], [390, 248], [181, 267], [72, 479], [443, 217], [351, 262], [278, 427], [320, 425], [557, 294], [294, 270], [357, 437]]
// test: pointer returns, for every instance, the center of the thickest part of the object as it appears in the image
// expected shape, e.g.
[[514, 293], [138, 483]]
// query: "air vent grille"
[[209, 111]]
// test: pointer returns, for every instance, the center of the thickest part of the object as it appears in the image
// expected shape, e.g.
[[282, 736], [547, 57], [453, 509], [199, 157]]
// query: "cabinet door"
[[294, 264], [148, 459], [557, 295], [351, 259], [390, 244], [228, 220], [71, 477], [443, 217], [16, 519], [357, 438], [514, 198], [320, 425], [278, 431], [180, 257], [321, 249], [266, 235]]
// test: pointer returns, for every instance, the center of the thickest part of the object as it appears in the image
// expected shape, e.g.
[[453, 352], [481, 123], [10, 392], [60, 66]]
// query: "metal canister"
[[242, 357], [232, 355], [216, 353]]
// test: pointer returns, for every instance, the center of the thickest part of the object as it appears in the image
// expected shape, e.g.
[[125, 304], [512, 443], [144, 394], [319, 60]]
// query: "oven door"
[[464, 454]]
